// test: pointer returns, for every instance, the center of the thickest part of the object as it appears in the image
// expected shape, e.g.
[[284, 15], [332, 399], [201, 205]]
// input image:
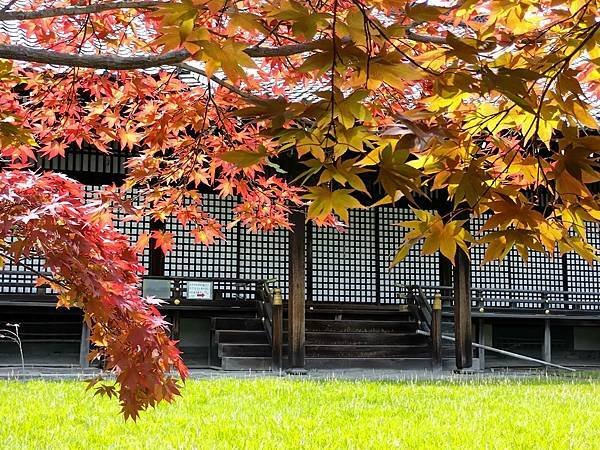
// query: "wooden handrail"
[[277, 338], [213, 279], [424, 311], [270, 307], [544, 297], [436, 332]]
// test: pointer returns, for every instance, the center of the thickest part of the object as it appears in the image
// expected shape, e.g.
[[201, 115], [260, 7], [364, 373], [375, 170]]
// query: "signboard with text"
[[199, 290]]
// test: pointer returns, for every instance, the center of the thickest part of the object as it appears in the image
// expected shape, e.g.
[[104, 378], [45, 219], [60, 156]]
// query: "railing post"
[[84, 345], [545, 303], [547, 347], [479, 300], [436, 331], [177, 294], [277, 342]]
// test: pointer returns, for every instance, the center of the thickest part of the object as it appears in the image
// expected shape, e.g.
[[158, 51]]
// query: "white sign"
[[199, 290]]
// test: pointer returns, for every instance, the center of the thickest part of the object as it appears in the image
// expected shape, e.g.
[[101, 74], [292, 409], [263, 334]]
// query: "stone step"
[[264, 363], [361, 326], [364, 315], [321, 337], [369, 363], [237, 323], [367, 351], [329, 351], [241, 336], [244, 350], [257, 363], [375, 338]]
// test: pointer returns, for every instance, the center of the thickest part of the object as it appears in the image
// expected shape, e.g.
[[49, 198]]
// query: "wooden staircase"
[[334, 340]]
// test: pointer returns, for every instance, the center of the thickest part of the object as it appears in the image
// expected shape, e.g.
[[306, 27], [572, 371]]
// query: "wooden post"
[[462, 311], [436, 332], [482, 341], [296, 304], [547, 350], [277, 339], [84, 346]]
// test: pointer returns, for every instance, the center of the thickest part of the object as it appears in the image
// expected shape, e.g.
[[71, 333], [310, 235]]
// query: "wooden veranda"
[[326, 276]]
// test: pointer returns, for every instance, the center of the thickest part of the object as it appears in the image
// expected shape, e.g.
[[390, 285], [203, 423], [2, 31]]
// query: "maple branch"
[[219, 81], [410, 34], [33, 270], [292, 49], [107, 62], [115, 62], [78, 10]]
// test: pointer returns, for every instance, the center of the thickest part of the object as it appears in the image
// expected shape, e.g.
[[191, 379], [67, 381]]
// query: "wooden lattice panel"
[[415, 269], [131, 229], [189, 259], [88, 160], [344, 264]]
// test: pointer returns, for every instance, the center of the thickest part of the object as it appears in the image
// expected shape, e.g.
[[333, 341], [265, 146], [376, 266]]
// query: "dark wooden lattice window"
[[189, 259], [415, 269], [241, 255], [264, 256], [19, 279], [582, 276], [87, 160], [131, 229], [344, 263], [540, 272]]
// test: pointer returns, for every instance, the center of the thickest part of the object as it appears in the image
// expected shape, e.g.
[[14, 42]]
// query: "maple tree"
[[491, 102], [94, 268]]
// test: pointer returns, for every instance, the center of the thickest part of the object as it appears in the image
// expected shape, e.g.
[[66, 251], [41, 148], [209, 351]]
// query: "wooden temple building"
[[318, 298]]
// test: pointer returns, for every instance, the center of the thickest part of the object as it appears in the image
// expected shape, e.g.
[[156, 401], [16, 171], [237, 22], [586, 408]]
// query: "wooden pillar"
[[482, 341], [84, 346], [436, 332], [297, 297], [157, 257], [547, 349], [462, 311]]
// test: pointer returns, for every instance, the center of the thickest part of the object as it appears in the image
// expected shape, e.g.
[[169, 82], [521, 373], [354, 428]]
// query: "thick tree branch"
[[78, 10], [114, 62], [291, 49], [147, 4], [107, 62]]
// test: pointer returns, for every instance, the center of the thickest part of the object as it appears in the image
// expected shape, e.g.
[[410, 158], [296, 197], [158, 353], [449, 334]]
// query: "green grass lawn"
[[289, 414]]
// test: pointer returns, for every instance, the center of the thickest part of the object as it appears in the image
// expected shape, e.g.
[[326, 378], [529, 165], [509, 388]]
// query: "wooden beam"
[[297, 295], [462, 311]]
